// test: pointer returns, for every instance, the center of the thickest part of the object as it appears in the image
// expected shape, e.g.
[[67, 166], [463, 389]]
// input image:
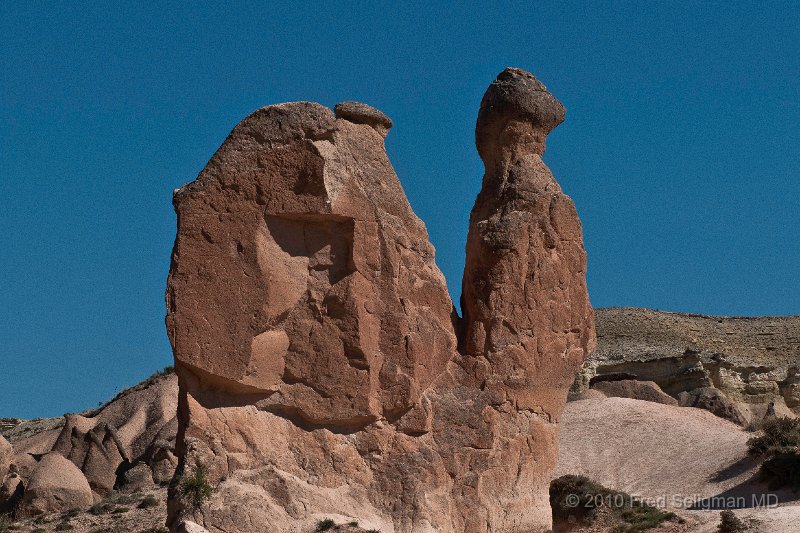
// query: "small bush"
[[6, 523], [782, 469], [776, 433], [148, 502], [196, 488], [325, 525], [64, 526], [730, 523], [38, 530], [354, 523], [72, 513], [101, 508], [577, 498]]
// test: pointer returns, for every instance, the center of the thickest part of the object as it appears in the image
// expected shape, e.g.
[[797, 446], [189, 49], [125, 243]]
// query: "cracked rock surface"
[[323, 370]]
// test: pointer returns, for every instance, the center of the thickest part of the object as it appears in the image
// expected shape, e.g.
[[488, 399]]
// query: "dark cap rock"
[[360, 113], [516, 110]]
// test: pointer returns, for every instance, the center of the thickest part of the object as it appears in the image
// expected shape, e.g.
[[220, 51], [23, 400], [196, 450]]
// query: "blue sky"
[[680, 150]]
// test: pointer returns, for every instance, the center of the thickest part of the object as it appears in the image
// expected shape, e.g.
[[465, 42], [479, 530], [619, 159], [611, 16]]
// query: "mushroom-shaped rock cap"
[[517, 109], [360, 113]]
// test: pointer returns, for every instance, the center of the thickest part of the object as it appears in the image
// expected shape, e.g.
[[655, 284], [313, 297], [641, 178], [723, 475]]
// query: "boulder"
[[648, 391], [715, 401], [56, 484], [137, 478], [323, 370], [6, 455], [188, 526], [11, 491]]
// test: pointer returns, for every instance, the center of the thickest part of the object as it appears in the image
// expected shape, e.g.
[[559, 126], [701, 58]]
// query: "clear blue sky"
[[680, 150]]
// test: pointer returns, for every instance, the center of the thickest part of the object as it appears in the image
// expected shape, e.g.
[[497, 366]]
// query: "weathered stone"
[[716, 401], [55, 485], [527, 319], [317, 346], [139, 477], [190, 527], [138, 426], [312, 283], [11, 491], [360, 113], [752, 361], [6, 455], [648, 391]]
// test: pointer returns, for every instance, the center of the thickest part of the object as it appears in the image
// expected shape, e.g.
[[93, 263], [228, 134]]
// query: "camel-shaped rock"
[[323, 369]]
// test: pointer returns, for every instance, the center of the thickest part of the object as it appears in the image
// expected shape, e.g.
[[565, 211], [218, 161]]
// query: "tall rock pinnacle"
[[320, 364], [525, 303]]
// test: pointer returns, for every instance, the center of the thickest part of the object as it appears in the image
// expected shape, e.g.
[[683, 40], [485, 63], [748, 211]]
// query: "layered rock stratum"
[[323, 370], [734, 367]]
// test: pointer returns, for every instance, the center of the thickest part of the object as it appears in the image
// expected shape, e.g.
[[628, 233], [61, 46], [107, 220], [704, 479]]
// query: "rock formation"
[[648, 391], [56, 484], [323, 370], [733, 366], [121, 445], [6, 453]]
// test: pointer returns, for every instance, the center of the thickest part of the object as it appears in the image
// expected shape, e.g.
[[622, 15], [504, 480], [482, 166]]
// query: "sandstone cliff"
[[323, 370]]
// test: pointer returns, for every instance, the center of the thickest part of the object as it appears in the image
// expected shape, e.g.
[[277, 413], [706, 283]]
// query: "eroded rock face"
[[128, 444], [317, 347], [6, 454], [302, 277], [733, 366]]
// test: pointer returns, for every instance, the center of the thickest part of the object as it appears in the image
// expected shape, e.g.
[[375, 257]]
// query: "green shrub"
[[101, 508], [6, 523], [776, 433], [782, 469], [730, 523], [148, 502], [577, 498], [196, 488], [325, 525], [72, 513]]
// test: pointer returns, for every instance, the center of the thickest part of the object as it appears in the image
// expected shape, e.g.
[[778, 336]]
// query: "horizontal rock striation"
[[750, 362]]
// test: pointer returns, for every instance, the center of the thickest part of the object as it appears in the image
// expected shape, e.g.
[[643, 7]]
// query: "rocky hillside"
[[76, 462], [745, 363]]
